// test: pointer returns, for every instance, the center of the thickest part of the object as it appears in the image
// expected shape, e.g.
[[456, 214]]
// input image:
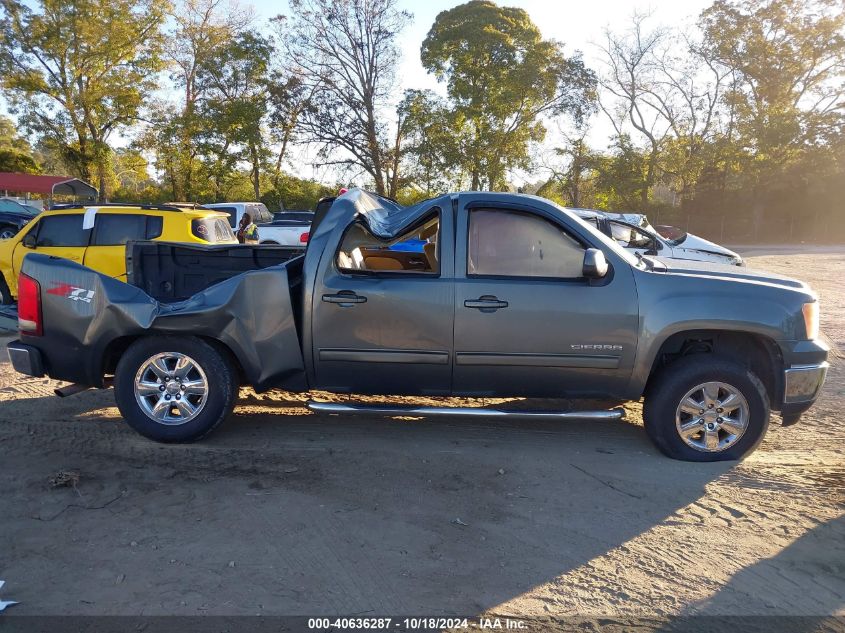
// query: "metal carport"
[[47, 186]]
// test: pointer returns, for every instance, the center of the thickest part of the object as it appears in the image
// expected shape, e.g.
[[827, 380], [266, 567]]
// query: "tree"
[[787, 58], [574, 179], [77, 71], [289, 95], [346, 50], [202, 28], [631, 83], [502, 78], [235, 82], [15, 151], [431, 153]]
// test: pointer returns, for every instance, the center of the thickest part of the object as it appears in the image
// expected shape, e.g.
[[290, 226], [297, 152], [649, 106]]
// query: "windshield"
[[671, 234]]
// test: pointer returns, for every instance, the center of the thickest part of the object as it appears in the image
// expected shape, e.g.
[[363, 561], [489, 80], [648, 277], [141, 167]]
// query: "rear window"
[[259, 213], [232, 212], [296, 216], [212, 230], [113, 229], [62, 230]]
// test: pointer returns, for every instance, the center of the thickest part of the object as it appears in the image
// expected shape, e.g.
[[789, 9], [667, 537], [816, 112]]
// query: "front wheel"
[[174, 389], [705, 408], [8, 231]]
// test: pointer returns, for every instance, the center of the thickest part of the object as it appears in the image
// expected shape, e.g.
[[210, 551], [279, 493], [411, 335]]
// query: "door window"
[[415, 251], [62, 230], [517, 244], [113, 229]]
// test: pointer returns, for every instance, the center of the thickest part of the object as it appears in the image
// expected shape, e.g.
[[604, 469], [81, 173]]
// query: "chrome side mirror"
[[595, 265]]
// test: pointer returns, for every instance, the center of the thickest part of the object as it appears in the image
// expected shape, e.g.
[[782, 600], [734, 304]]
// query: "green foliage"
[[296, 193], [431, 147], [76, 71], [502, 78], [15, 151], [235, 80], [788, 58]]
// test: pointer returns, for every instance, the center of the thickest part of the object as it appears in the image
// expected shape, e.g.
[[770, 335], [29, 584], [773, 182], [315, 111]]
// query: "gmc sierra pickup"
[[501, 295]]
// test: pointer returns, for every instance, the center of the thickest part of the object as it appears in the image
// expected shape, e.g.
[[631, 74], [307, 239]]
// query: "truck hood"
[[695, 243], [724, 271]]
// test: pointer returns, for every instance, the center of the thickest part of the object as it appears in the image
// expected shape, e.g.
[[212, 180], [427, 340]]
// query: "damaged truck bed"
[[476, 294]]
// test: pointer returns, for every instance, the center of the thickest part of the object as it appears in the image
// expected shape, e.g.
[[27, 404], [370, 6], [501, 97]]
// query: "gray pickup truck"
[[471, 294]]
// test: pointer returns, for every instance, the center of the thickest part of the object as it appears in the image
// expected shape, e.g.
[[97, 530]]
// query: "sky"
[[578, 24]]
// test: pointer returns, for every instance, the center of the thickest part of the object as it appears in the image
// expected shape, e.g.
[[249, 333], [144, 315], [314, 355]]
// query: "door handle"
[[487, 302], [344, 298]]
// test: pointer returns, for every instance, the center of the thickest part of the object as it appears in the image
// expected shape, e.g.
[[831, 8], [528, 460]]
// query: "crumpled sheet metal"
[[384, 218], [251, 314]]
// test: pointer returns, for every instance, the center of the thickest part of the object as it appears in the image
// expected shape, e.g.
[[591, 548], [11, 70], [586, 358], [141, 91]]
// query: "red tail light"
[[304, 237], [29, 306]]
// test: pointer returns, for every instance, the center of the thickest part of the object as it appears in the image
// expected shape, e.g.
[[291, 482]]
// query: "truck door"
[[382, 315], [526, 321], [107, 251]]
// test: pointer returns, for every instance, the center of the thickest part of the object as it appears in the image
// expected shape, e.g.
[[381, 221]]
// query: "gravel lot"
[[284, 512]]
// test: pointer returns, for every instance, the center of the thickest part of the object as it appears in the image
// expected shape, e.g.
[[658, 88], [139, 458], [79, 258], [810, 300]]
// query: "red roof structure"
[[46, 185]]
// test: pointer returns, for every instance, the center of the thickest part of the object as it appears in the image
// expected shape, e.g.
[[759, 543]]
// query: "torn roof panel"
[[384, 218]]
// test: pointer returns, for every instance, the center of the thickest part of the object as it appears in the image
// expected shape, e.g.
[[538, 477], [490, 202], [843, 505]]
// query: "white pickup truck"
[[284, 232]]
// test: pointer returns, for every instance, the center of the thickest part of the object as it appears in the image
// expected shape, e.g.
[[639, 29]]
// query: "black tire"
[[6, 298], [671, 384], [220, 377], [8, 231]]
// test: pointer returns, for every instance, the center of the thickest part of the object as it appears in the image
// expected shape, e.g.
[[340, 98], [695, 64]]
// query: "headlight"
[[811, 319]]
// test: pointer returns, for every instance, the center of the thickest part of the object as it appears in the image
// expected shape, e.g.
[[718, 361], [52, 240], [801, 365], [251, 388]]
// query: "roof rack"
[[145, 207]]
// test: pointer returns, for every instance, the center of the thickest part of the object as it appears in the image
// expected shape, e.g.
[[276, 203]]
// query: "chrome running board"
[[469, 412]]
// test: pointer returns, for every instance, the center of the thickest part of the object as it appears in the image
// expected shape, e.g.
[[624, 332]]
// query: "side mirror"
[[28, 240], [595, 265]]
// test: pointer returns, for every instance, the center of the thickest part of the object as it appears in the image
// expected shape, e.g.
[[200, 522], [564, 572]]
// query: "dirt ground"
[[285, 512]]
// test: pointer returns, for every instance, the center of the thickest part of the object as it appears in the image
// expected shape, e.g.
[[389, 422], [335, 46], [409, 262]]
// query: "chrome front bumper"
[[802, 383]]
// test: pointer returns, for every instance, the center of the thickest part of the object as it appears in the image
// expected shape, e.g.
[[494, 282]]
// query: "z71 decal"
[[74, 293]]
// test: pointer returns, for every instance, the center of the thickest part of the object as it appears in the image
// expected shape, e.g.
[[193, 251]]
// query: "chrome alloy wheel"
[[712, 417], [171, 388]]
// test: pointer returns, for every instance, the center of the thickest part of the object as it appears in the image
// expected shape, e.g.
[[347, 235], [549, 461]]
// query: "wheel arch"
[[115, 349], [758, 352]]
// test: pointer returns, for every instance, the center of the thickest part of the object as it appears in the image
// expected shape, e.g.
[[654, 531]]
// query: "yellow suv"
[[96, 236]]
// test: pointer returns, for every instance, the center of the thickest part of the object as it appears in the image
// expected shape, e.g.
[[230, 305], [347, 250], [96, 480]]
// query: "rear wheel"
[[706, 408], [8, 231], [174, 389]]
